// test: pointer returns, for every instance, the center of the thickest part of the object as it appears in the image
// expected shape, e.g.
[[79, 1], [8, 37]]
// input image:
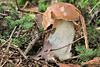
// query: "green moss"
[[93, 37], [42, 6], [23, 24], [87, 54]]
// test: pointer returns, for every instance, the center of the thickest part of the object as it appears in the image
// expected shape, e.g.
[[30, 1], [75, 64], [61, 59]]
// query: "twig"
[[3, 14], [17, 5], [84, 31], [94, 7], [21, 52], [67, 44], [19, 9], [9, 37], [18, 32], [1, 61], [33, 42], [96, 14], [19, 62], [98, 28], [12, 62], [4, 63], [89, 7], [8, 46], [25, 5]]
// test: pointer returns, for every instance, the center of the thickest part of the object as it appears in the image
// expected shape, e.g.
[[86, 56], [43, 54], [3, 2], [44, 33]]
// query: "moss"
[[87, 54], [93, 37]]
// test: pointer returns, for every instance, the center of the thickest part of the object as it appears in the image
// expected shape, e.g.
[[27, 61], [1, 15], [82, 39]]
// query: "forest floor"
[[14, 53]]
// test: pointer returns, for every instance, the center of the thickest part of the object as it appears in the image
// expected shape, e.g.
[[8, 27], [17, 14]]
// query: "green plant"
[[83, 3], [42, 6], [87, 54], [68, 1], [23, 24], [93, 37], [1, 8], [22, 2], [41, 29], [14, 13], [22, 39]]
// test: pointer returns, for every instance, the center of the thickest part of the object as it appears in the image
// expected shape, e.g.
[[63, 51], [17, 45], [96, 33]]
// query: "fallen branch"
[[67, 44], [9, 37], [36, 37]]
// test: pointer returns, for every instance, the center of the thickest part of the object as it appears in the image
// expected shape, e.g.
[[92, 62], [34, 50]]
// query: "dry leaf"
[[39, 19], [35, 9], [92, 63], [44, 52], [67, 65]]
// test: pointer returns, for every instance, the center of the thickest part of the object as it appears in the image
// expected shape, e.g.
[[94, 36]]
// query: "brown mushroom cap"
[[64, 11]]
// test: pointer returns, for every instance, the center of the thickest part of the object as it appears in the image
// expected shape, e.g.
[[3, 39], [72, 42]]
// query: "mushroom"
[[62, 16]]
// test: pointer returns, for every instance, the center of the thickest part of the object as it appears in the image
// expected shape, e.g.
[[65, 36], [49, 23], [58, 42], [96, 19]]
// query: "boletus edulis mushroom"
[[62, 16]]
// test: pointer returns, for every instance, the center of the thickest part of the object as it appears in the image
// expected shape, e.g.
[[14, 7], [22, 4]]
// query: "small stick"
[[95, 15], [98, 28], [18, 33], [84, 31], [67, 44], [25, 5], [12, 63], [17, 5], [1, 61], [4, 63], [8, 46], [94, 7], [3, 14], [19, 62], [9, 37]]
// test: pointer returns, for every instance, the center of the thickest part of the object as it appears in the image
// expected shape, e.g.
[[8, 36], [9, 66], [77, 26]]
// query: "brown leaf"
[[35, 9], [92, 63], [67, 65], [44, 52], [38, 19]]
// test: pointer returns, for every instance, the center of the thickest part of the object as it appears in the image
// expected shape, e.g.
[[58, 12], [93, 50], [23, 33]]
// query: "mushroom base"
[[63, 35]]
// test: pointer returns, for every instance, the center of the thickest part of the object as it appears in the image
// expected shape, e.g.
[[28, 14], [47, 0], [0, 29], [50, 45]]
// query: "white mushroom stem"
[[64, 34]]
